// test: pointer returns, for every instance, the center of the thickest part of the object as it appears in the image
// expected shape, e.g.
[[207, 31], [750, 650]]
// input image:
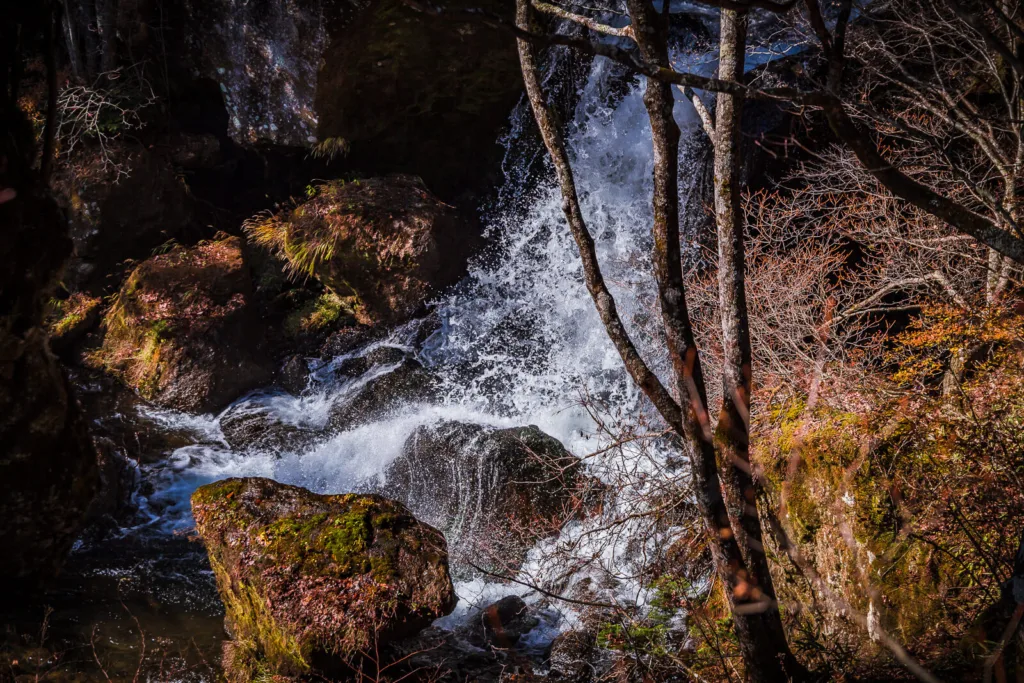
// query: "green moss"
[[645, 639], [260, 643], [318, 315], [66, 315], [226, 490], [319, 543]]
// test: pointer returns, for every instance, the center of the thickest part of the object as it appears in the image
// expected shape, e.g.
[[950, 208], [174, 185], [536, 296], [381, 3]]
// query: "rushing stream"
[[516, 343]]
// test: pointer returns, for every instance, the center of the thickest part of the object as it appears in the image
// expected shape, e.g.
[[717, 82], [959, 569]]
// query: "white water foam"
[[519, 338]]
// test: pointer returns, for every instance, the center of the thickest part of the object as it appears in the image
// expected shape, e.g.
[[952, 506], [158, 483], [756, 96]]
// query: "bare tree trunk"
[[50, 131], [106, 16], [758, 624], [80, 32], [71, 42], [766, 651], [603, 300]]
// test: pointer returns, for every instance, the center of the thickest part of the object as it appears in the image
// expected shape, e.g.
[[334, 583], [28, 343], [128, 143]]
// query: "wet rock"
[[505, 622], [382, 355], [571, 654], [294, 375], [493, 491], [383, 245], [251, 426], [392, 89], [384, 394], [119, 479], [308, 581], [120, 208], [183, 332], [347, 340]]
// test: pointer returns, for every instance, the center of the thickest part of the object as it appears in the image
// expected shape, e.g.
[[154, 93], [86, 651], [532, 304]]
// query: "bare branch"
[[592, 24]]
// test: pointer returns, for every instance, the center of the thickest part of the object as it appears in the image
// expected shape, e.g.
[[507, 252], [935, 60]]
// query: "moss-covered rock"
[[308, 581], [383, 246], [69, 320], [904, 506], [183, 331]]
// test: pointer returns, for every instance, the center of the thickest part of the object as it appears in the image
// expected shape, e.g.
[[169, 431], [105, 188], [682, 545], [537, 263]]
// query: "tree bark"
[[762, 637], [603, 300], [756, 617]]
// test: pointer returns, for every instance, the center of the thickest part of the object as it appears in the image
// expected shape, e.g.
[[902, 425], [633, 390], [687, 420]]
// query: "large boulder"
[[501, 625], [383, 394], [395, 89], [384, 245], [309, 581], [493, 491], [253, 425], [183, 331]]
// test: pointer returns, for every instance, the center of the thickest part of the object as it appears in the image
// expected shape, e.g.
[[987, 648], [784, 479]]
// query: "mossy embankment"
[[183, 331], [903, 495]]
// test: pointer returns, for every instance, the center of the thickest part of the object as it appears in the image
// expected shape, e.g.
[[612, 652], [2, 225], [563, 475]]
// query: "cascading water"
[[516, 343]]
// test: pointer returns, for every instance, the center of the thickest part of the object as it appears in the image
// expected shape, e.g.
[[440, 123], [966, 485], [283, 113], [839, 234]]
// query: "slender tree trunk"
[[106, 17], [766, 651], [749, 607], [50, 131], [83, 20], [758, 625], [71, 42]]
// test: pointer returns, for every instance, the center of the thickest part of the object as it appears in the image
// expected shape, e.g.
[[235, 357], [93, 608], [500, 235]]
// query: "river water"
[[517, 342]]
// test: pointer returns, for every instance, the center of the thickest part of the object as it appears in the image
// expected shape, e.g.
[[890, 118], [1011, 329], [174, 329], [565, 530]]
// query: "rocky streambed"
[[384, 314], [139, 594]]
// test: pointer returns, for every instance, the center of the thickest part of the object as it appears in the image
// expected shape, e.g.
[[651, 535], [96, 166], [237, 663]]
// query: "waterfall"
[[516, 342]]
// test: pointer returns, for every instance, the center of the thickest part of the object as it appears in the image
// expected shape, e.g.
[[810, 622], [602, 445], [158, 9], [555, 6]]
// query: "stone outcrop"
[[184, 333], [250, 425], [383, 394], [395, 89], [308, 580], [384, 245], [419, 94], [493, 491]]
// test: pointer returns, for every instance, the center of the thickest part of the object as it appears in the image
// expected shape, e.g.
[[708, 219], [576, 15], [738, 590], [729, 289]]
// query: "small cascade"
[[517, 343]]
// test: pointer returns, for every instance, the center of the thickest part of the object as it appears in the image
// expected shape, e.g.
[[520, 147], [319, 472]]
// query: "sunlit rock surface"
[[309, 581], [385, 245], [183, 331]]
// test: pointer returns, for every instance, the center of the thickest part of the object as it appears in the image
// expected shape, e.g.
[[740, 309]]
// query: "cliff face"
[[48, 463], [370, 79]]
